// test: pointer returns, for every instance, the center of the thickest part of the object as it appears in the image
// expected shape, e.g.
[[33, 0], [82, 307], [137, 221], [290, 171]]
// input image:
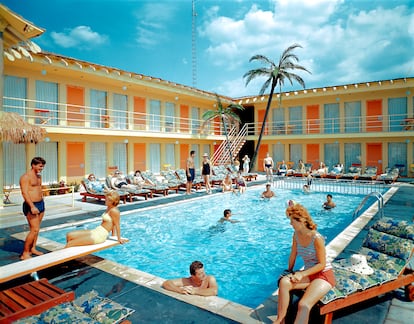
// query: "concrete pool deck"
[[142, 291]]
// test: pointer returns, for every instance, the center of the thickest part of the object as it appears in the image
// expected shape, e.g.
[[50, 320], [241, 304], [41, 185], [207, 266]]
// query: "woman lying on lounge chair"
[[95, 186], [119, 181], [110, 223]]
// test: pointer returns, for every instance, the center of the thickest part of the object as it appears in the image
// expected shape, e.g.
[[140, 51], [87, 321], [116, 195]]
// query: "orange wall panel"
[[75, 98], [184, 155], [374, 155], [312, 154], [312, 122], [374, 115], [140, 156], [139, 112], [184, 111], [75, 159], [260, 117], [263, 150]]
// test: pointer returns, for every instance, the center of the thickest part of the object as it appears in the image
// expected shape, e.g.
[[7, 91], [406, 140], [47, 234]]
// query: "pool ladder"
[[380, 199]]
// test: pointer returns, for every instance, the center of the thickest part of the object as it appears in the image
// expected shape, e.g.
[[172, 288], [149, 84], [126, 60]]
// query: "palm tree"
[[276, 75], [227, 116]]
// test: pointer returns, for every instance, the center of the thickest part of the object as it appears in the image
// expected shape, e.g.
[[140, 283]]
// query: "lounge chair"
[[353, 172], [336, 172], [31, 298], [369, 174], [100, 196], [390, 176], [388, 249], [158, 186]]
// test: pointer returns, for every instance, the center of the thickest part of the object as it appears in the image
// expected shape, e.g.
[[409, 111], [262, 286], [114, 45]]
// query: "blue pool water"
[[246, 257]]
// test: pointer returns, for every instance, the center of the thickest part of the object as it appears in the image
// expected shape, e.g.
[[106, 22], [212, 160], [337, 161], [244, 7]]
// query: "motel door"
[[374, 156], [75, 165], [75, 106]]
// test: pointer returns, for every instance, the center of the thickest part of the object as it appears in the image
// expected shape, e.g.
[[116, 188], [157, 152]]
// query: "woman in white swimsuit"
[[110, 222]]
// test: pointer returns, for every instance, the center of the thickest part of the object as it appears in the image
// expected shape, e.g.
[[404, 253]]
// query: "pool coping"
[[214, 304]]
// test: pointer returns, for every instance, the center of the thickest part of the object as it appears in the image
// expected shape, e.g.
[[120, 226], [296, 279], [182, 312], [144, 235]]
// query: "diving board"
[[25, 267]]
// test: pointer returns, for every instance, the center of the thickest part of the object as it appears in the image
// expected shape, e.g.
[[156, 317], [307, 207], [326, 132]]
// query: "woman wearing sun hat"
[[317, 277]]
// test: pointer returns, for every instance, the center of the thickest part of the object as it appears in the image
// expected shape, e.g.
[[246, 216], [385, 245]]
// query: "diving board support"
[[47, 260]]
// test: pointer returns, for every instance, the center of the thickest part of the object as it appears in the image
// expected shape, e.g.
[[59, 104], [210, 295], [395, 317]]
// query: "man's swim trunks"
[[40, 205], [192, 175]]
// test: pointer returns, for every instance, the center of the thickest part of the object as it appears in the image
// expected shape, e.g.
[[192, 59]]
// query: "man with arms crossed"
[[197, 284], [33, 205]]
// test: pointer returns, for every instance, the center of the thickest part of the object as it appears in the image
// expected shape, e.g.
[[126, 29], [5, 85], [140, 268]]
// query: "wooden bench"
[[31, 299]]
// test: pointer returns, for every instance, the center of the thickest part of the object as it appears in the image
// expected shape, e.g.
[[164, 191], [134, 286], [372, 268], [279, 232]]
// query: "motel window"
[[46, 111], [353, 117], [195, 120], [278, 119], [98, 160], [154, 115], [14, 163], [155, 157], [120, 156], [49, 151], [295, 153], [331, 154], [397, 155], [119, 111], [278, 152], [170, 155], [397, 112], [331, 118], [352, 154], [15, 93], [295, 120], [97, 109], [169, 117]]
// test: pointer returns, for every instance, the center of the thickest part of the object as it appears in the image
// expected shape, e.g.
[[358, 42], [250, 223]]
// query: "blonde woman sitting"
[[110, 223]]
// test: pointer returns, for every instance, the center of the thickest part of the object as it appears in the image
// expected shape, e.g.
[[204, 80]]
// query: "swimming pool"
[[246, 257]]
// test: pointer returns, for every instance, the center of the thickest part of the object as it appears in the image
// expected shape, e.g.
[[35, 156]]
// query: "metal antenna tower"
[[194, 45]]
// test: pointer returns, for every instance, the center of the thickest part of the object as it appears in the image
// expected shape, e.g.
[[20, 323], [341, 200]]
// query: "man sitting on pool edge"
[[197, 284]]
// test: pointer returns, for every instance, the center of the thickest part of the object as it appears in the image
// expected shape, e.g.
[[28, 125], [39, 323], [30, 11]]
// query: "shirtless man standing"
[[268, 167], [190, 172], [33, 205], [197, 284]]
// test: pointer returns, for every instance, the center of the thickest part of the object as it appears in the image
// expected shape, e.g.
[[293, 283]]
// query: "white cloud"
[[82, 37], [152, 25], [342, 43]]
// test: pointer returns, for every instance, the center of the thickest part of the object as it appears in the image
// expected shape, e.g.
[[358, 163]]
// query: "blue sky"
[[343, 41]]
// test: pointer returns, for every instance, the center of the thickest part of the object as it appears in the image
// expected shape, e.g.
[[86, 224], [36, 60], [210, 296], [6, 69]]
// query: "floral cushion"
[[389, 244], [402, 229], [88, 308], [332, 295], [64, 313], [103, 310], [384, 262]]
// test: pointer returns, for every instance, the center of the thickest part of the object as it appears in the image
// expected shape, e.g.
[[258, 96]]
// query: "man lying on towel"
[[110, 223]]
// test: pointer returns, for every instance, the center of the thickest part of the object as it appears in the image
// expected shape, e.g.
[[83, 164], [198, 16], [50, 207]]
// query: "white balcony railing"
[[65, 115]]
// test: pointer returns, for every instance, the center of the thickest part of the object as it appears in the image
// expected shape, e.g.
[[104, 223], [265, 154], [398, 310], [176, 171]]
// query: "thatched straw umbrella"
[[15, 129]]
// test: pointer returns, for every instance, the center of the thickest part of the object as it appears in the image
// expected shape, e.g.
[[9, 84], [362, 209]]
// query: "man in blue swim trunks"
[[33, 206], [190, 171]]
